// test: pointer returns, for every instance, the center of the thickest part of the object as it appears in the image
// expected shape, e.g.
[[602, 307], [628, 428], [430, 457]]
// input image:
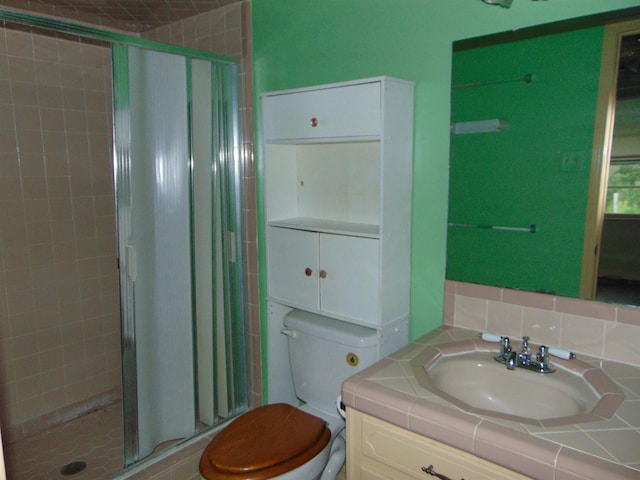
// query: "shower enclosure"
[[178, 243], [177, 226]]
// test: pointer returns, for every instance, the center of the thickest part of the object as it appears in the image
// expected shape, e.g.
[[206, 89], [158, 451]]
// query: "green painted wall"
[[305, 42], [535, 172]]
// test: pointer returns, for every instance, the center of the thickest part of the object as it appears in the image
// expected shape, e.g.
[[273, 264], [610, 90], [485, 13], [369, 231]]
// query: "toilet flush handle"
[[289, 333], [341, 408]]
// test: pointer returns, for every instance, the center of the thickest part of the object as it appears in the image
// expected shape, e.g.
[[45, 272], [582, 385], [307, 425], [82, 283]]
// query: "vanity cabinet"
[[338, 178], [377, 450]]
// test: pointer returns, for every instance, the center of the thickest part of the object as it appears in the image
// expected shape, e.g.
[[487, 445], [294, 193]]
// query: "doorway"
[[619, 264], [611, 255]]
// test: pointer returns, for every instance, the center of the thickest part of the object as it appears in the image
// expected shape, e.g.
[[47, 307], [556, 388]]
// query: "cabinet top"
[[380, 79]]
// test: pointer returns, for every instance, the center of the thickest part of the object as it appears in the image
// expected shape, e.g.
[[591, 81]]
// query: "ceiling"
[[129, 15]]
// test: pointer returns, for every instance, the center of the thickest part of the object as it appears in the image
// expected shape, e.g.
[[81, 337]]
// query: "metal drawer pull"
[[430, 471]]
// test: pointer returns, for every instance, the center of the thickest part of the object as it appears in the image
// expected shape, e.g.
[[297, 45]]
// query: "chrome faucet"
[[523, 357], [511, 360]]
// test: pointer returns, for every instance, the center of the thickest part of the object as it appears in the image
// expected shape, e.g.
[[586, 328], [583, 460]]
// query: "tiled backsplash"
[[600, 329]]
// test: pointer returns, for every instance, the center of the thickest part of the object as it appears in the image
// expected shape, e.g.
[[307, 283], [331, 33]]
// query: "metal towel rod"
[[528, 78], [530, 229]]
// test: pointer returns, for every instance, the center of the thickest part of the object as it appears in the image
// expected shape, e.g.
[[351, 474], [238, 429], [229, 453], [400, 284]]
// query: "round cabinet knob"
[[308, 272], [314, 122], [323, 274]]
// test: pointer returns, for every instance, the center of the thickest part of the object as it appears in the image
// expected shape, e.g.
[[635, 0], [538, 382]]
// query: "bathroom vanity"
[[380, 450], [400, 427]]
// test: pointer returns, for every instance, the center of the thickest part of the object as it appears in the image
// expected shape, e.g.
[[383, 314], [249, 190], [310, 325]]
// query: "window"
[[623, 191]]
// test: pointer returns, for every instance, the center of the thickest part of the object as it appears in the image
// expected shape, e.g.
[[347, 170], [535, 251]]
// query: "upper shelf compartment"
[[334, 183], [330, 113]]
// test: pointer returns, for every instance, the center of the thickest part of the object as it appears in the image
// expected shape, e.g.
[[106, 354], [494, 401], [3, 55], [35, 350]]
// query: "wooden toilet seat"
[[263, 443]]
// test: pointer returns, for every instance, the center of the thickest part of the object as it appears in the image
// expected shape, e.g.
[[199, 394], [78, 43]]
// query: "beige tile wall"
[[227, 31], [600, 329], [218, 31], [59, 305]]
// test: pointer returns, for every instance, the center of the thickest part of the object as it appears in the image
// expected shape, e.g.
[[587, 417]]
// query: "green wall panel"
[[518, 177], [302, 43], [305, 42]]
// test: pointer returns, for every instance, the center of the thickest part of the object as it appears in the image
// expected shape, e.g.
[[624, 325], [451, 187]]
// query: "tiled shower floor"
[[95, 438]]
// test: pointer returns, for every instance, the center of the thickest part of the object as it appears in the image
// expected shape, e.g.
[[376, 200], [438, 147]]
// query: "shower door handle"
[[132, 262], [231, 247]]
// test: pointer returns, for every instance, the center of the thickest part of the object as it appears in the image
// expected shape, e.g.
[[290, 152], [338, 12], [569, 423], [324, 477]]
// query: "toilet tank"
[[323, 353]]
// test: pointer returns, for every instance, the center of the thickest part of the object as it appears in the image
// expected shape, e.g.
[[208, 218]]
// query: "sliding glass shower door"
[[178, 203]]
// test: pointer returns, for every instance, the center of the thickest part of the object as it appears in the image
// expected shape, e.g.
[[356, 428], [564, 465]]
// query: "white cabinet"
[[325, 272], [379, 450], [326, 112], [338, 178]]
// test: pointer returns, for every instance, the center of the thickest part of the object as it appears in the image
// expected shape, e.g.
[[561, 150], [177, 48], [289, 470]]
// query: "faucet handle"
[[490, 337], [543, 354], [560, 353], [506, 345], [542, 359], [524, 349]]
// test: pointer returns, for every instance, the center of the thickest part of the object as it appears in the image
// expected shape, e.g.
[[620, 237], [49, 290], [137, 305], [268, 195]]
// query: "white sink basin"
[[465, 374], [477, 379]]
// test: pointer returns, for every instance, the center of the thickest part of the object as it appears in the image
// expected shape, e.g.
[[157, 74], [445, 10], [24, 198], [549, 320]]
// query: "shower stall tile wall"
[[59, 313], [225, 31]]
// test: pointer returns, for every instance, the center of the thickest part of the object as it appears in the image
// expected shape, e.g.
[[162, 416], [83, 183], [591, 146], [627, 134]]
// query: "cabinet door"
[[331, 112], [293, 267], [349, 286], [394, 453]]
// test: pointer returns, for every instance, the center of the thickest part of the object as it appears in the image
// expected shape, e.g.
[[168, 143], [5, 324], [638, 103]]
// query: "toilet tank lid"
[[330, 329]]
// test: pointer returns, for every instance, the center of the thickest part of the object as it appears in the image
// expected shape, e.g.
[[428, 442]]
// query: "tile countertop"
[[609, 448]]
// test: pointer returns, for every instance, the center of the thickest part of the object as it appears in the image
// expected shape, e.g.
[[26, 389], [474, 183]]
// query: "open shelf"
[[323, 225]]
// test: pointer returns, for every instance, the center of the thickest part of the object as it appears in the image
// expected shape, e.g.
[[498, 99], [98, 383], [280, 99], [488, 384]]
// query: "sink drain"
[[73, 468]]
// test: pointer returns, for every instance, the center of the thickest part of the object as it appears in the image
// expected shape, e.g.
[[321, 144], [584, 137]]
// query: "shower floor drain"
[[73, 468]]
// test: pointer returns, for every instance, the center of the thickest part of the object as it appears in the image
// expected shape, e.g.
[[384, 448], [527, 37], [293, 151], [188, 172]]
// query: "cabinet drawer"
[[407, 452], [351, 111]]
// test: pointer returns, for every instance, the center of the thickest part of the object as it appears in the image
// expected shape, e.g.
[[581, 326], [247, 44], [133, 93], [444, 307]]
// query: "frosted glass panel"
[[161, 246], [178, 171], [210, 339]]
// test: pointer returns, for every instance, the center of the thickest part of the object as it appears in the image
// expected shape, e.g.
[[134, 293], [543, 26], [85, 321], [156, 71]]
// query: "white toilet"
[[304, 443]]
